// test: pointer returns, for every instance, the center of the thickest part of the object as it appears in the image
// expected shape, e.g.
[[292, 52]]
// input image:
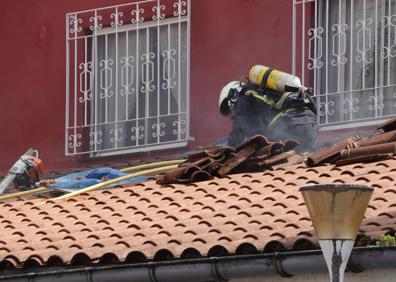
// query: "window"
[[127, 78], [346, 50]]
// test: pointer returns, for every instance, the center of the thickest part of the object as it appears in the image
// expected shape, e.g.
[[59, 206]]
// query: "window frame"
[[312, 15], [181, 16], [147, 147]]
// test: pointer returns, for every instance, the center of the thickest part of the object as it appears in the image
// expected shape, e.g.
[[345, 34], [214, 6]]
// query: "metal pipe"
[[214, 269], [336, 253]]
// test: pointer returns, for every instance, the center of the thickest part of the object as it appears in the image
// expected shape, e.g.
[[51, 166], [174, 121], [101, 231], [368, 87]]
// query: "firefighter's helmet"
[[226, 96]]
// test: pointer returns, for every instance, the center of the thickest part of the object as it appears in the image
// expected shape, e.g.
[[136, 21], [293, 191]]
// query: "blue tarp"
[[91, 177]]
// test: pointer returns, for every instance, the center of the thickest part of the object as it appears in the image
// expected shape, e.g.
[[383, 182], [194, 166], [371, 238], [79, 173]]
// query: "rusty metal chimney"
[[336, 211]]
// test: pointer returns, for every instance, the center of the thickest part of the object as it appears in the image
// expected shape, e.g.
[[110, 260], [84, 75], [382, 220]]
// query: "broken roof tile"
[[372, 150], [332, 153], [378, 139], [255, 154], [388, 125]]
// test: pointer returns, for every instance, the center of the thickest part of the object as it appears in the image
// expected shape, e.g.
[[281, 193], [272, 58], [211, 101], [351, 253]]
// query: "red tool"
[[25, 173]]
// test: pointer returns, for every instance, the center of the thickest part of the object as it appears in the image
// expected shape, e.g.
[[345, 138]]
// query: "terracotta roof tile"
[[242, 214]]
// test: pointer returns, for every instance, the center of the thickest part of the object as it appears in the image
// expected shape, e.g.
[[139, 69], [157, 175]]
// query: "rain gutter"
[[286, 264]]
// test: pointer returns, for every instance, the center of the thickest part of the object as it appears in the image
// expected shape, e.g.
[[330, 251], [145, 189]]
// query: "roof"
[[239, 214]]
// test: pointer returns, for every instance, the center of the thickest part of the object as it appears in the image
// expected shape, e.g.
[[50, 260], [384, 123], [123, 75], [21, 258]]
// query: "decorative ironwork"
[[351, 105], [117, 21], [74, 140], [118, 57], [74, 23], [340, 37], [325, 108], [106, 78], [169, 69], [180, 127], [345, 51], [148, 72], [158, 129], [157, 10], [315, 51], [96, 22], [127, 75], [115, 133], [390, 24], [180, 11], [95, 137], [137, 133], [394, 96], [363, 33], [85, 76], [136, 18], [378, 103]]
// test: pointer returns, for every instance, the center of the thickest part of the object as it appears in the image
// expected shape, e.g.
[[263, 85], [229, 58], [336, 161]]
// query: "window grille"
[[127, 78], [346, 51]]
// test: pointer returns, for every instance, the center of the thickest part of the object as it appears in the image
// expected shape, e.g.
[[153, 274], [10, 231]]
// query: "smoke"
[[300, 126], [253, 116]]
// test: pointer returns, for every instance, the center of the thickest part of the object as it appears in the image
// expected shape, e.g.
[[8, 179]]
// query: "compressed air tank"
[[275, 80]]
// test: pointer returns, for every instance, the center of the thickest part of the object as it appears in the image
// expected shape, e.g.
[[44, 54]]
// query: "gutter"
[[286, 264]]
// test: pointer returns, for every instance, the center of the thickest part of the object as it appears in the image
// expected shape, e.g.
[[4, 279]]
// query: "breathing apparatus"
[[278, 89], [275, 80], [285, 89]]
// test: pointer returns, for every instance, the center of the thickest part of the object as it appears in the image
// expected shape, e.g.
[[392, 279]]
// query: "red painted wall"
[[227, 38]]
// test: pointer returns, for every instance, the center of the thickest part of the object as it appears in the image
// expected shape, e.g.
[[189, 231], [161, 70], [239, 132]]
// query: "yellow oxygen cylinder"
[[275, 80]]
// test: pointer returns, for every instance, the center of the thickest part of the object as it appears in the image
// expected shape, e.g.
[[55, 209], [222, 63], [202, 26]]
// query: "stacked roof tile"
[[242, 214], [256, 154], [358, 149]]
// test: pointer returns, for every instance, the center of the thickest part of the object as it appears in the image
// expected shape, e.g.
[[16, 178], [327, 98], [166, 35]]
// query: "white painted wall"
[[378, 275]]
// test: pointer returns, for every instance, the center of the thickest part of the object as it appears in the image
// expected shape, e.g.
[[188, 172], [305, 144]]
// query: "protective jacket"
[[280, 117]]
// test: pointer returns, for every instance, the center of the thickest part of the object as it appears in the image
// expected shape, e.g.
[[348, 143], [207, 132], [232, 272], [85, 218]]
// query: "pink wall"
[[227, 38]]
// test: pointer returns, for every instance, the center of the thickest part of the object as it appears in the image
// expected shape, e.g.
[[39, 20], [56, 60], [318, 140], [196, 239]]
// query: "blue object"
[[91, 177]]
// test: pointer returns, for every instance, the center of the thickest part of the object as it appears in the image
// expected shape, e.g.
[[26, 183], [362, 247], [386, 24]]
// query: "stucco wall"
[[378, 275]]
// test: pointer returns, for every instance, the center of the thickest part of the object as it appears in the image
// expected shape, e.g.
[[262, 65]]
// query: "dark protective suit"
[[253, 116]]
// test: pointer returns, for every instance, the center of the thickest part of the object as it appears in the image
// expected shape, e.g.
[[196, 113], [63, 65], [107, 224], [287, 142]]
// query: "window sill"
[[142, 149], [354, 124]]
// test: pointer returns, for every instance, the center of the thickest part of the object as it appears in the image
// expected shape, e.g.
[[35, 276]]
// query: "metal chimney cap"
[[334, 186]]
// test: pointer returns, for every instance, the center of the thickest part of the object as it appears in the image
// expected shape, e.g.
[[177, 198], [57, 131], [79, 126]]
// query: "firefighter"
[[276, 106]]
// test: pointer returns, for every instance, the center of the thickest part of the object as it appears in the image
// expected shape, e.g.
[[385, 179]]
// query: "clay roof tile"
[[242, 213]]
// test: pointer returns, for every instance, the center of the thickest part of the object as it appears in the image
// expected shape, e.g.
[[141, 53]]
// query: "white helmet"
[[224, 106]]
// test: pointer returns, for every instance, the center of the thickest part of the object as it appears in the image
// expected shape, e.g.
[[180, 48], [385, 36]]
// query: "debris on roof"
[[332, 153], [389, 125], [255, 154], [90, 177], [356, 149]]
